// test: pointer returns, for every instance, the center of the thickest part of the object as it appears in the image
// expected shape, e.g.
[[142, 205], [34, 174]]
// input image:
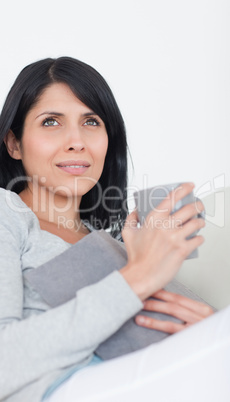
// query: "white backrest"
[[209, 274]]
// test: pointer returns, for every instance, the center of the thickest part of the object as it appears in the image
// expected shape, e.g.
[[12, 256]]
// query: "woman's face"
[[64, 143]]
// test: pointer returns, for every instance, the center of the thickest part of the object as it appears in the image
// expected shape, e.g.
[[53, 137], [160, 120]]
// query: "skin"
[[61, 128], [187, 310], [45, 144]]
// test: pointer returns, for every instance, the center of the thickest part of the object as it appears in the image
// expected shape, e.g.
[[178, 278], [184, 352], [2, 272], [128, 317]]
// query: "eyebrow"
[[91, 113]]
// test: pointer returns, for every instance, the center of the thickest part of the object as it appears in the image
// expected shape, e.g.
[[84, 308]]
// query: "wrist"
[[135, 280]]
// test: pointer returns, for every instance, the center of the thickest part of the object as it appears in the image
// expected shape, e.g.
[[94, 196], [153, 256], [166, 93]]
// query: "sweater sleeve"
[[32, 347]]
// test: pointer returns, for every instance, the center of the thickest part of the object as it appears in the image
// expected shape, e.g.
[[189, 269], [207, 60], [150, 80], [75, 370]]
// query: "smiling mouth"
[[74, 164], [74, 167]]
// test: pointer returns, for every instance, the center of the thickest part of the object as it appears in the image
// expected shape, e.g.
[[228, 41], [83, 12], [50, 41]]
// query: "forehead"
[[58, 92], [57, 95]]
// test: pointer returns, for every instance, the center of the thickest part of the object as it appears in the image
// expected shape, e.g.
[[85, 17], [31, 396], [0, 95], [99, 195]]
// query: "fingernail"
[[140, 320], [202, 223]]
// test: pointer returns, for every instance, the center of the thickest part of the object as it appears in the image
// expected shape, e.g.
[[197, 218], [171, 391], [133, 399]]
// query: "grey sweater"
[[39, 344]]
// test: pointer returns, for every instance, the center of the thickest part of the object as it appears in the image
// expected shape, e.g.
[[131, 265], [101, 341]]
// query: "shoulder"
[[15, 216], [12, 204]]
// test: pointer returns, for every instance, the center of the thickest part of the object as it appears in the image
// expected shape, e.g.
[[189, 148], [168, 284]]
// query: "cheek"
[[34, 149], [101, 148], [36, 155]]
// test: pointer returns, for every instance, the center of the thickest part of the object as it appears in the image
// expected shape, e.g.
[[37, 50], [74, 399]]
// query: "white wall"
[[167, 61]]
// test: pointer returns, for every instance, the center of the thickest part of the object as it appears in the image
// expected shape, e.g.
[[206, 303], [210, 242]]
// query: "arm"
[[69, 334]]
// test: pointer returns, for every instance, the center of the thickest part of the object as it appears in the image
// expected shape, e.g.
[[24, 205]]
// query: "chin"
[[69, 192]]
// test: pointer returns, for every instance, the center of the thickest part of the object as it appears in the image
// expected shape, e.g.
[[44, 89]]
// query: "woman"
[[63, 146]]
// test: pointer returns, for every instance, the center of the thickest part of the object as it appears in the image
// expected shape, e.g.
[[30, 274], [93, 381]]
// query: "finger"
[[194, 243], [166, 206], [173, 309], [203, 309], [191, 227], [188, 211], [186, 243], [164, 326]]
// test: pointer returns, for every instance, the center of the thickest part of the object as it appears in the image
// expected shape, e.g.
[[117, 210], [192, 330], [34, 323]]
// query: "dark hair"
[[90, 88]]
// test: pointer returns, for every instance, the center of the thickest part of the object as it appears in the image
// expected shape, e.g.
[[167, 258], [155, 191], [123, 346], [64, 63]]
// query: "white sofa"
[[209, 274]]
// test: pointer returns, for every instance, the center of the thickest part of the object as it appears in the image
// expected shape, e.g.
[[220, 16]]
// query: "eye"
[[92, 121], [50, 122]]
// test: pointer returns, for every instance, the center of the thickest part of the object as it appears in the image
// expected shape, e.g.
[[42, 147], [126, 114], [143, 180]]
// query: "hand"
[[157, 249], [187, 310]]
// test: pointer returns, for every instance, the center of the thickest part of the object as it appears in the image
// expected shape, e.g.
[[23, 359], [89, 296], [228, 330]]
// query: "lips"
[[73, 163], [74, 167]]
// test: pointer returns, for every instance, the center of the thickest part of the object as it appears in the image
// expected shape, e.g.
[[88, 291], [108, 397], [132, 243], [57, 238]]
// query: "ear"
[[12, 145]]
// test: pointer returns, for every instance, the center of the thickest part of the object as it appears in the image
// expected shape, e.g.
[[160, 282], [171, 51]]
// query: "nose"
[[76, 147], [74, 141]]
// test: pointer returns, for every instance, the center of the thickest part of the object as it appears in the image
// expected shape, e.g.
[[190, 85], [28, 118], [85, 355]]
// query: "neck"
[[53, 207]]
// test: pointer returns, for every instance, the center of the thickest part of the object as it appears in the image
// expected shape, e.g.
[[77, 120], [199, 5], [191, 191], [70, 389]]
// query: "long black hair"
[[91, 89]]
